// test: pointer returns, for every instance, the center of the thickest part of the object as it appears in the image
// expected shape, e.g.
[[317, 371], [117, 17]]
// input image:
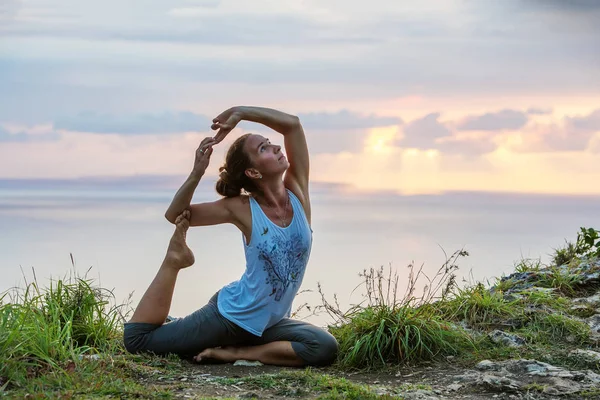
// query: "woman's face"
[[267, 158]]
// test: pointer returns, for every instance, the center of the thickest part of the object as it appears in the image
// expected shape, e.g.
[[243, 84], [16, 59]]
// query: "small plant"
[[393, 329], [565, 254], [479, 307], [49, 331], [528, 265], [561, 279], [554, 327], [587, 246], [588, 243], [544, 298]]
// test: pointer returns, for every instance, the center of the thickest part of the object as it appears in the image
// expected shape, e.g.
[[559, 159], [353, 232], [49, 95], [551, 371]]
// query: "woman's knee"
[[328, 349], [135, 336], [320, 350]]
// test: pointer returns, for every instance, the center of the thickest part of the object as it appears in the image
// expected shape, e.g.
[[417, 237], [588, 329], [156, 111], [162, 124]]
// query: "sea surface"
[[118, 235]]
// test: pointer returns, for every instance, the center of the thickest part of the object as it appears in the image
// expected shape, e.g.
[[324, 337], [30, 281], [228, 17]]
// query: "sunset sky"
[[404, 96]]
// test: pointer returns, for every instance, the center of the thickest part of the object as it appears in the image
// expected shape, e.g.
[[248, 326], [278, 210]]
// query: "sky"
[[401, 96], [432, 126]]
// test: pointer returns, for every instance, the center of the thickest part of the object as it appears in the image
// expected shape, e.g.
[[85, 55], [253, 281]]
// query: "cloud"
[[5, 136], [333, 131], [429, 133], [468, 147], [588, 123], [539, 111], [498, 121], [8, 9], [135, 124], [22, 136], [575, 134], [556, 138], [422, 133], [578, 6], [345, 119]]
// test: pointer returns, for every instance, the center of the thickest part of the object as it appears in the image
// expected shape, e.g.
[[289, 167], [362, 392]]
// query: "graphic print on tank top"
[[283, 260]]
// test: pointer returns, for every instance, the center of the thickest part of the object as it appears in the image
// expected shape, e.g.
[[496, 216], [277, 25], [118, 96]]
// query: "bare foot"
[[225, 354], [179, 254]]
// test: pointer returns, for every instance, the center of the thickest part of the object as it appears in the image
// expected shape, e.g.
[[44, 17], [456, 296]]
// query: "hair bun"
[[223, 174]]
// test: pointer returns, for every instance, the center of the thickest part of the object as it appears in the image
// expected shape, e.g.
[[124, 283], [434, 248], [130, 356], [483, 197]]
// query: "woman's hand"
[[203, 154], [226, 122]]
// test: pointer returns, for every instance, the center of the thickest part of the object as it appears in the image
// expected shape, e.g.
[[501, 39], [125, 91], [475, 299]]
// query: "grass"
[[529, 265], [65, 340], [552, 328], [479, 307], [308, 381], [392, 329], [562, 279], [48, 335], [564, 255]]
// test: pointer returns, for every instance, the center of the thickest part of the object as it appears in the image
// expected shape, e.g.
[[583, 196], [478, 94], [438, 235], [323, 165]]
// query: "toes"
[[201, 355], [187, 214], [184, 224], [178, 219]]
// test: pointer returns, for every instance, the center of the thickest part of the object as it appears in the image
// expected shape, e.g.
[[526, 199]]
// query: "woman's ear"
[[253, 173]]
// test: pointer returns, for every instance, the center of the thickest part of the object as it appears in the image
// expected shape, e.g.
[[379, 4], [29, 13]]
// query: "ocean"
[[117, 234]]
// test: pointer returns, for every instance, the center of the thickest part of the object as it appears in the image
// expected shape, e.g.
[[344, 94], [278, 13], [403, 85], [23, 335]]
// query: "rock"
[[486, 364], [594, 323], [518, 375], [561, 387], [246, 363], [593, 300], [455, 387], [500, 383], [420, 394], [507, 339], [589, 358], [249, 395]]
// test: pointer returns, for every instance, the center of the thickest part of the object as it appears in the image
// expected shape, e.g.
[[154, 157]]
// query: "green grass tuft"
[[479, 307], [389, 329], [49, 331], [552, 327]]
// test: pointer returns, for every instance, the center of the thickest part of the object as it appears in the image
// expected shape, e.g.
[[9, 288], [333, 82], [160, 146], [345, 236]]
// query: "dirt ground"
[[437, 381]]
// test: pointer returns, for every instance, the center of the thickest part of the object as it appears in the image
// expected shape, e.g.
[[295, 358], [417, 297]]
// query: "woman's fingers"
[[220, 136], [209, 141], [205, 142]]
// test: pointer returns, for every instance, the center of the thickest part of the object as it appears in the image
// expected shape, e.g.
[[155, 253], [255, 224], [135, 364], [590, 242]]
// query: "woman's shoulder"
[[303, 199], [239, 201]]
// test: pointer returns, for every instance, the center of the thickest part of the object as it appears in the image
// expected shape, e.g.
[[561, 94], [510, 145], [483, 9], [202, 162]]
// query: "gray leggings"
[[207, 328]]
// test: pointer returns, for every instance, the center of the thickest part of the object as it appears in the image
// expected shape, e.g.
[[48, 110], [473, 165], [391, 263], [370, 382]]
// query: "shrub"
[[49, 330], [388, 329]]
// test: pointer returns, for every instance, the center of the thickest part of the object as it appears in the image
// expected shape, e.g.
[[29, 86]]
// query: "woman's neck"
[[274, 195]]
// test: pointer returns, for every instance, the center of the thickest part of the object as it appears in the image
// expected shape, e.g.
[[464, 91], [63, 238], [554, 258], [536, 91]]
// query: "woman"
[[249, 318]]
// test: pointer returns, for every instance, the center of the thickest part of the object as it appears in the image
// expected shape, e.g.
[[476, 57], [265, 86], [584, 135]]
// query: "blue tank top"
[[276, 259]]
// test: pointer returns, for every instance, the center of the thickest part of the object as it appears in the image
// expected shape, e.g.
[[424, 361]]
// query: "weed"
[[553, 327], [478, 306], [393, 329], [564, 255], [529, 265], [561, 279], [48, 332]]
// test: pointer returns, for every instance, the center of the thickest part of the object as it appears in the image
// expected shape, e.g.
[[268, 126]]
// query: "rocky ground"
[[512, 379]]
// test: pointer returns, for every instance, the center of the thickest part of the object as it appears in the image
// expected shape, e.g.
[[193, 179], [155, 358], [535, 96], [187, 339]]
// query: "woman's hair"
[[232, 177]]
